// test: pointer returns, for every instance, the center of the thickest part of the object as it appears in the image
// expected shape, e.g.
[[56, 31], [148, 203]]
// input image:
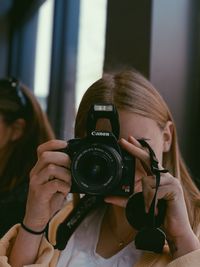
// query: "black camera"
[[98, 165]]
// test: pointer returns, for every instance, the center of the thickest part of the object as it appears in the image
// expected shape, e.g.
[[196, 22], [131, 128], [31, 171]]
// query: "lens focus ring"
[[96, 169]]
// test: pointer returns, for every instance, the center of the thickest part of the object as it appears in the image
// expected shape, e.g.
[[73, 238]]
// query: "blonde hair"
[[131, 91]]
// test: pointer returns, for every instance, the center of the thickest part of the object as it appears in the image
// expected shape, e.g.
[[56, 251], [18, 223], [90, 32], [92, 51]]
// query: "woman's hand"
[[50, 182], [176, 224]]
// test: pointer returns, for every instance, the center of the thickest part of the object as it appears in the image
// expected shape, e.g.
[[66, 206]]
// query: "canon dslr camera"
[[98, 165]]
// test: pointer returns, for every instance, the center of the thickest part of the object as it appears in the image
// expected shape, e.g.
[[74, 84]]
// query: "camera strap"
[[150, 237], [86, 204], [156, 171]]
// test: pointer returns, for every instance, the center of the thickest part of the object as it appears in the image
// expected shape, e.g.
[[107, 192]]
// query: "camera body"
[[99, 166]]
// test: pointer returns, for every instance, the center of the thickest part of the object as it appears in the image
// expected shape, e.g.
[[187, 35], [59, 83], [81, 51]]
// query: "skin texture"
[[46, 195]]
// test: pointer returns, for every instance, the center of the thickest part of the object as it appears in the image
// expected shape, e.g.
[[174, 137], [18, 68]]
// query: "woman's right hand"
[[50, 182]]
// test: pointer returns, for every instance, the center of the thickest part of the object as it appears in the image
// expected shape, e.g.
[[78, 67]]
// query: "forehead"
[[132, 124], [136, 125]]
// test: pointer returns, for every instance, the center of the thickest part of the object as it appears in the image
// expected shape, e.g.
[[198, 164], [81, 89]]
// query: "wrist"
[[32, 230], [34, 223], [182, 245]]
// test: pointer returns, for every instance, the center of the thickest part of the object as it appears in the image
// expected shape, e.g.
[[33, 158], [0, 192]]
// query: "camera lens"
[[94, 168], [97, 169]]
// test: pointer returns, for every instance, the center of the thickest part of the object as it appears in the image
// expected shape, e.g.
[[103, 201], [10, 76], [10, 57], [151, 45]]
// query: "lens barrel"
[[97, 168]]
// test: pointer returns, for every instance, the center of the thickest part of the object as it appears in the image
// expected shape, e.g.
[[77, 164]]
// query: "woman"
[[23, 126], [105, 237]]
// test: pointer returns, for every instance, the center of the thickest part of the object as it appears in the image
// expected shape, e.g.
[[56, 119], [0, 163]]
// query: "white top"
[[81, 248]]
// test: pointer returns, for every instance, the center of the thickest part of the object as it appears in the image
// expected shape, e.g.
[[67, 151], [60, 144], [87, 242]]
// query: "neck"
[[116, 219], [115, 232]]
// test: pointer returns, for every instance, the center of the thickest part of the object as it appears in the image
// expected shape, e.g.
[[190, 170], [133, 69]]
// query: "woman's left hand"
[[176, 224]]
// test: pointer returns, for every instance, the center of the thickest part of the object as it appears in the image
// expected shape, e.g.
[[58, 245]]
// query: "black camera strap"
[[86, 204], [150, 237], [156, 171]]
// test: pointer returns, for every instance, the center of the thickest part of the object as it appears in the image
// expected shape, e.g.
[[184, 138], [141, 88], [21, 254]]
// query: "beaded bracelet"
[[32, 231]]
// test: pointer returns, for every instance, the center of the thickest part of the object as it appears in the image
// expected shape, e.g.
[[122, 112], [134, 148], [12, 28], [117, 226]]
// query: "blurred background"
[[59, 47]]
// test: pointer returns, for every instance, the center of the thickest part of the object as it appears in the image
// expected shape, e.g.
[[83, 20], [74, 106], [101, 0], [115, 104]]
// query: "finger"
[[51, 157], [170, 189], [135, 142], [57, 186], [167, 178], [149, 189], [138, 152], [147, 162], [116, 200], [51, 145], [49, 173], [45, 191]]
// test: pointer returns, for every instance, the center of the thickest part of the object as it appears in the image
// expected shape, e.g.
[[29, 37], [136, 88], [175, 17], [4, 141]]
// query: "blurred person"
[[23, 126]]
